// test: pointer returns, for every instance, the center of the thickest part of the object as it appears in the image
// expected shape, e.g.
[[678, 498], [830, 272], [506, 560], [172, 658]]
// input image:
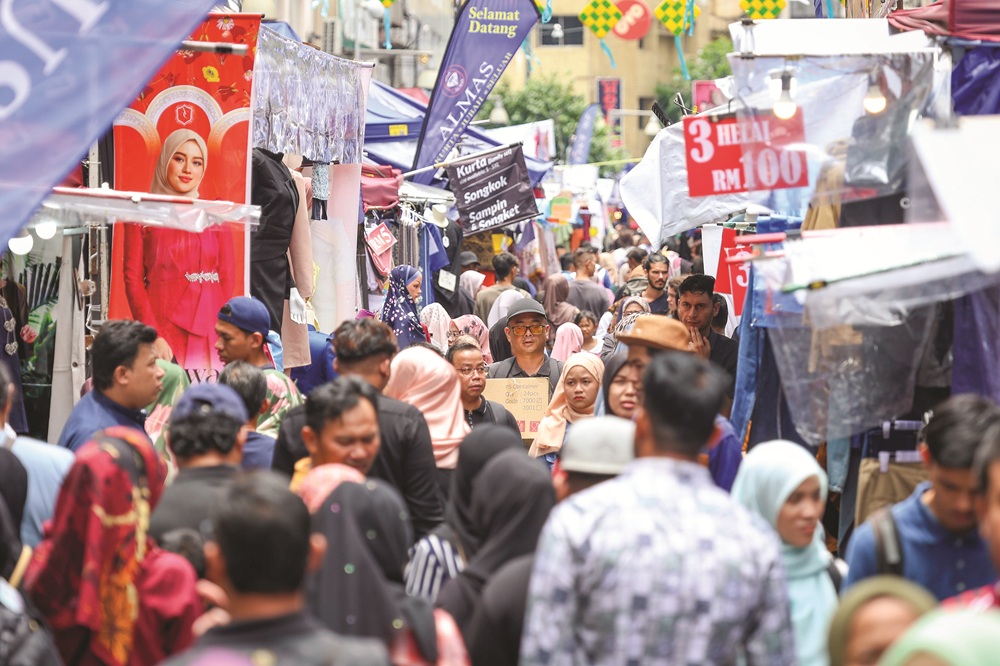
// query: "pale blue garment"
[[770, 473]]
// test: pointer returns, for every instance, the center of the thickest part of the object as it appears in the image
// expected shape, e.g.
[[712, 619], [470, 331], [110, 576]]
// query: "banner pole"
[[446, 163]]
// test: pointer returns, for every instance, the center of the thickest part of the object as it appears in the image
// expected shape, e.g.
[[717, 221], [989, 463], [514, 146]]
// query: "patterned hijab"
[[559, 414], [437, 321], [474, 326], [175, 140], [84, 573], [400, 311]]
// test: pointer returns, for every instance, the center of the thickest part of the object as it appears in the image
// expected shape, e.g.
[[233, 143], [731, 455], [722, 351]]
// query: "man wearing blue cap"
[[206, 438], [242, 333]]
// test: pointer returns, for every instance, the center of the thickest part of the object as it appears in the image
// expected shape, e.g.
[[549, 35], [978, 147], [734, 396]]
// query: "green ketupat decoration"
[[762, 9]]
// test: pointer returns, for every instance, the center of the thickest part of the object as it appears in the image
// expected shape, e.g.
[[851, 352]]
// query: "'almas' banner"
[[486, 36], [492, 190]]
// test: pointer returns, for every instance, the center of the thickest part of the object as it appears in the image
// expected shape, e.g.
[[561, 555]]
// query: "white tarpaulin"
[[836, 37]]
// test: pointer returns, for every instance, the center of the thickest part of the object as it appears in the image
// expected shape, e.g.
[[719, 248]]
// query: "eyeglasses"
[[521, 329], [466, 371]]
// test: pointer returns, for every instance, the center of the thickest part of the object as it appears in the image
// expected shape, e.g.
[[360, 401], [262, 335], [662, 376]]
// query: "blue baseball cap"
[[247, 314], [217, 399]]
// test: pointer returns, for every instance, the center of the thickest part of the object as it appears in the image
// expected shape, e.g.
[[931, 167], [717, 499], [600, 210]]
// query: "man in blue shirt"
[[126, 379], [936, 526], [249, 383]]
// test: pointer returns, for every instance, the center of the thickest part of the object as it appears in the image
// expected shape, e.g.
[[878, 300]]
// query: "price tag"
[[726, 154], [380, 239], [447, 280]]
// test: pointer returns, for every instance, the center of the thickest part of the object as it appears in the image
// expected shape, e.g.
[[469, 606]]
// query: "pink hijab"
[[474, 326], [559, 413], [569, 340], [323, 480], [422, 378]]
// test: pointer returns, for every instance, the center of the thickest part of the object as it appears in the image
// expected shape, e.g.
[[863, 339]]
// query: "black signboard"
[[492, 190]]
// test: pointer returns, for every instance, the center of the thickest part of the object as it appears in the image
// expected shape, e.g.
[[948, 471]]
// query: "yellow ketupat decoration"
[[762, 9], [601, 16], [671, 14]]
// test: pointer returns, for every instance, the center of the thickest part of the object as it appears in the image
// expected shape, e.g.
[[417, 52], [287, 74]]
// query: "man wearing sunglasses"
[[527, 330]]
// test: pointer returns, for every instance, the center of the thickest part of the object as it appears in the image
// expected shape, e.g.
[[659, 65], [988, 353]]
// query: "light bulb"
[[46, 230], [874, 100], [785, 107], [21, 243]]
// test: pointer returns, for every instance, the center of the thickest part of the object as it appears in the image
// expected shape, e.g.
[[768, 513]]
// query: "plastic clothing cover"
[[870, 149], [308, 102]]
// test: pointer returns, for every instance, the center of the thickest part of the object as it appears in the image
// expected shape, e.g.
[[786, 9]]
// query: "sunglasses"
[[521, 329]]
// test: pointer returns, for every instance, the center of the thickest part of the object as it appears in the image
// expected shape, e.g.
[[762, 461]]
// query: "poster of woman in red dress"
[[186, 136]]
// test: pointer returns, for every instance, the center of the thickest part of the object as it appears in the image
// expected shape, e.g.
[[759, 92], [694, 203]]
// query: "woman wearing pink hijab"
[[569, 340], [573, 400], [474, 326], [422, 378]]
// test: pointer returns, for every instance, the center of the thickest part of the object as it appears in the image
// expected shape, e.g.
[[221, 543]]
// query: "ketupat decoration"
[[601, 16], [762, 9], [678, 17]]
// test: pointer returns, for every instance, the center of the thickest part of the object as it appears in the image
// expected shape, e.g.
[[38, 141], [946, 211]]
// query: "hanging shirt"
[[433, 257]]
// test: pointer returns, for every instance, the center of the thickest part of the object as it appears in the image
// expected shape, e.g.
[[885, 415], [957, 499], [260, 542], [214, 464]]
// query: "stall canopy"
[[392, 128]]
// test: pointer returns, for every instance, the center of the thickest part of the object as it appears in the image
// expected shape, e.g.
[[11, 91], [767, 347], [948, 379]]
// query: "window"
[[562, 31]]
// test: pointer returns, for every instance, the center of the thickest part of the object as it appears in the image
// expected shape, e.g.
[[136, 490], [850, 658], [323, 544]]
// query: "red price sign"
[[733, 278], [380, 239], [726, 154]]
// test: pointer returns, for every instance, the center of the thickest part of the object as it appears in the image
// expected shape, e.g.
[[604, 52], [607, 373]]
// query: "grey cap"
[[526, 305], [466, 258], [600, 445]]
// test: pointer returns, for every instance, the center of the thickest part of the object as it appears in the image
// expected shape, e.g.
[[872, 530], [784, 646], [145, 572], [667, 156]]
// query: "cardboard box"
[[525, 398]]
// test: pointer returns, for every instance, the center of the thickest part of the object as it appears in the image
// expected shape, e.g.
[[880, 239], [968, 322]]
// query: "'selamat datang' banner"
[[486, 36]]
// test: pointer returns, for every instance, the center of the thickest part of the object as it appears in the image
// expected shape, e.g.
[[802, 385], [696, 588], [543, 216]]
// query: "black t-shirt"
[[491, 413], [187, 501], [287, 640], [726, 354]]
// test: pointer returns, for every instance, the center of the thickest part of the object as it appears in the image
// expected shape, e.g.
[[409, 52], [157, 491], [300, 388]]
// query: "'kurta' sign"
[[726, 154], [492, 190]]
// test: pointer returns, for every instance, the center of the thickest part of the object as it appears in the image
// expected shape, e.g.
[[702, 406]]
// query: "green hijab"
[[955, 637], [868, 590]]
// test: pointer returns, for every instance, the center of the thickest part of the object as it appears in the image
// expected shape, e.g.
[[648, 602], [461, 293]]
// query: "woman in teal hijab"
[[781, 482], [949, 638]]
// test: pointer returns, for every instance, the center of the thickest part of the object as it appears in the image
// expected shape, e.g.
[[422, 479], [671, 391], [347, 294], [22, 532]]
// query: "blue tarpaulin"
[[392, 127]]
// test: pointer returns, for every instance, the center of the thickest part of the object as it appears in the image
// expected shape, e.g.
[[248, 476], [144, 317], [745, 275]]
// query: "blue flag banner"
[[486, 36], [579, 151], [67, 68]]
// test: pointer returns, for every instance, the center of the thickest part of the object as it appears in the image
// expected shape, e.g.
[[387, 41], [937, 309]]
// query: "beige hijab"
[[559, 413], [175, 140]]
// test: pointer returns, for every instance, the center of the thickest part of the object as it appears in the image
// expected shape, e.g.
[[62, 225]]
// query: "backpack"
[[888, 550], [24, 640]]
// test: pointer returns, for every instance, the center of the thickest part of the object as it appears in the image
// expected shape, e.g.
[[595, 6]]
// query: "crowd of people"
[[390, 513]]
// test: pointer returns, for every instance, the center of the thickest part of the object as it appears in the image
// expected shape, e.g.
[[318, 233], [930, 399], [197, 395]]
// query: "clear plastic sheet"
[[308, 102], [843, 380], [870, 151], [68, 207]]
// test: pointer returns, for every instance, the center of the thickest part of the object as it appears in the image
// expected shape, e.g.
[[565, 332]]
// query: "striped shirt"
[[433, 562]]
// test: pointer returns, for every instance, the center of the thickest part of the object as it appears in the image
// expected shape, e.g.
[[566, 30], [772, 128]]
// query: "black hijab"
[[13, 485], [499, 344], [612, 367], [510, 503], [10, 542], [477, 449], [359, 590]]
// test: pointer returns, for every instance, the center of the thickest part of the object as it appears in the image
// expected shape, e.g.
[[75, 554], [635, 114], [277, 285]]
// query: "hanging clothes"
[[274, 190]]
